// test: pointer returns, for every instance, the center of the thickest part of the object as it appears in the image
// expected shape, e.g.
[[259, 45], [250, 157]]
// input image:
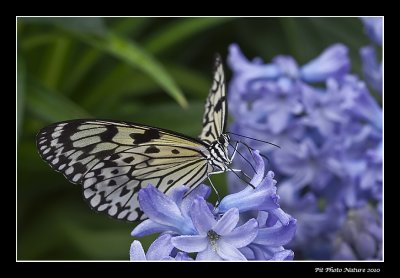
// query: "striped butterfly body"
[[113, 160]]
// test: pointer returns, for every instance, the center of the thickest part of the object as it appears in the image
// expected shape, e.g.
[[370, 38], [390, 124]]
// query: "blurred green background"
[[155, 71]]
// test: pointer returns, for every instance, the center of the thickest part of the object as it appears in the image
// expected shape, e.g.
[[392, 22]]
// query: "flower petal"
[[190, 244], [202, 218], [177, 194], [161, 248], [243, 235], [365, 245], [202, 190], [136, 252], [374, 28], [159, 207], [182, 256], [227, 222], [333, 62], [208, 255], [228, 252], [262, 197], [148, 227], [277, 235], [284, 255], [344, 252]]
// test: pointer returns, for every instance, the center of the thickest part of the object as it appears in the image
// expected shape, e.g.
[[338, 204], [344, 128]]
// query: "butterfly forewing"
[[214, 118], [114, 160]]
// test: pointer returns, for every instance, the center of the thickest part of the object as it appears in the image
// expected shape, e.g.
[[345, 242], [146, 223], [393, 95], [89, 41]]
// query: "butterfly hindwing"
[[114, 160], [214, 118]]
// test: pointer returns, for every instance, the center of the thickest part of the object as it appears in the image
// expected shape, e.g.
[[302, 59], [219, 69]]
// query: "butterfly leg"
[[216, 192], [238, 170], [234, 151]]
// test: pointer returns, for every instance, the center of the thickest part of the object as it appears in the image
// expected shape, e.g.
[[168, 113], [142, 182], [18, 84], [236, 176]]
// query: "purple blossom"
[[159, 250], [216, 239], [360, 238], [167, 213], [374, 28], [330, 161], [263, 197], [372, 69], [332, 63], [188, 224], [275, 229]]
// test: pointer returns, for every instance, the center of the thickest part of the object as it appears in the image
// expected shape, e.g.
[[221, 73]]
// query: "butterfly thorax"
[[218, 156]]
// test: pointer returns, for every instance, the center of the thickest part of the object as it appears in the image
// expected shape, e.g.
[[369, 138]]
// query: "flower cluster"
[[329, 128], [191, 228], [372, 69]]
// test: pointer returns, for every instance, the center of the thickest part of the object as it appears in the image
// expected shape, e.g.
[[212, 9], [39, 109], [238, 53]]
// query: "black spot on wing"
[[124, 191], [108, 135], [219, 104], [114, 172], [209, 132], [114, 156], [152, 149], [112, 183], [128, 159], [146, 137], [79, 168], [175, 151]]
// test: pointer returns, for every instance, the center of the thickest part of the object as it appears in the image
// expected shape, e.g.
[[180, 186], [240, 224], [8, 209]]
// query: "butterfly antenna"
[[252, 167], [253, 139], [251, 150]]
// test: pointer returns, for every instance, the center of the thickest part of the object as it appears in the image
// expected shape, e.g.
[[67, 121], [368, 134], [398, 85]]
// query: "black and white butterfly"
[[113, 160]]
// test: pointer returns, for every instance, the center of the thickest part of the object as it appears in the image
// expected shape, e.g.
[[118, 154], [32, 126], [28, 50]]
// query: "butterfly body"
[[219, 157], [113, 160]]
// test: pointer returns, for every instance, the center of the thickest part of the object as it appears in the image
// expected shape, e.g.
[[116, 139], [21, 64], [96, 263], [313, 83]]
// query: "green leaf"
[[88, 59], [51, 106], [100, 244], [93, 25], [55, 62], [84, 63], [193, 82], [180, 30], [122, 80], [134, 55], [21, 77], [130, 25]]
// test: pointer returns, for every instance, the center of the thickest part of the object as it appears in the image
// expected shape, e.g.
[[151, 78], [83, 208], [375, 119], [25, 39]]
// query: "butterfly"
[[113, 160]]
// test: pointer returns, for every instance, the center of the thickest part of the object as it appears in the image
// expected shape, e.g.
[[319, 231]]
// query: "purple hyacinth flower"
[[276, 228], [168, 213], [216, 239], [374, 28], [160, 249], [332, 63], [372, 69], [360, 237], [263, 197]]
